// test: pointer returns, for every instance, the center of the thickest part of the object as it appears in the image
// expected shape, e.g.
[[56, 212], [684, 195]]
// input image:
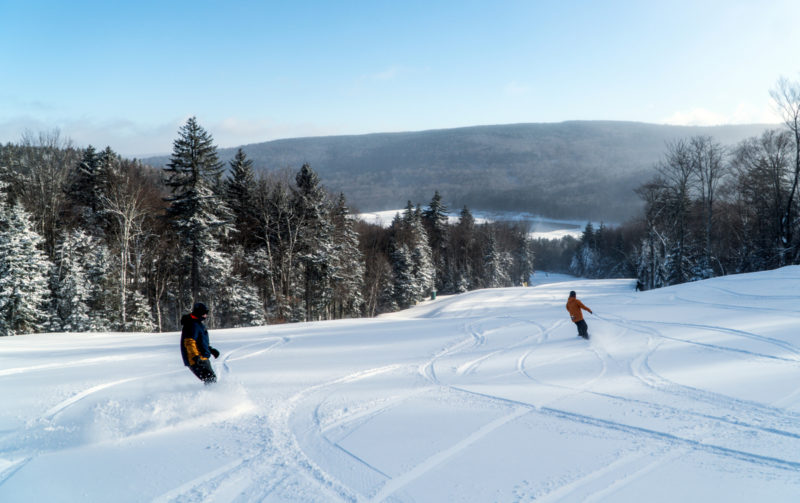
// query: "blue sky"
[[129, 74]]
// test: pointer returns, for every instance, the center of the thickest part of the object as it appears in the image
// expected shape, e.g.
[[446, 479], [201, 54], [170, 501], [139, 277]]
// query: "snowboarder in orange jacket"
[[574, 307]]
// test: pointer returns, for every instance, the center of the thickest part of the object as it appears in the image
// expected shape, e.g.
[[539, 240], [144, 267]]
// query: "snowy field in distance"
[[684, 394], [546, 228]]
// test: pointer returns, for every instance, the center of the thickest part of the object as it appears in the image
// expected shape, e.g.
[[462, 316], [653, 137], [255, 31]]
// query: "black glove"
[[214, 352]]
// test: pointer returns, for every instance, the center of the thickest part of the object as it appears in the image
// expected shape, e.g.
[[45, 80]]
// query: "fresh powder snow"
[[687, 393]]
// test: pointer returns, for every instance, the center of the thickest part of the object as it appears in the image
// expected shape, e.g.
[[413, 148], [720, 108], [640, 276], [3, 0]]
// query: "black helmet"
[[199, 309], [572, 293]]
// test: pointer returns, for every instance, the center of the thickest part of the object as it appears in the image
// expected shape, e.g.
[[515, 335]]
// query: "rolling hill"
[[576, 169]]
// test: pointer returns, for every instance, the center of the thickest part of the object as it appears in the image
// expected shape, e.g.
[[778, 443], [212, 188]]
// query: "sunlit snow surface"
[[690, 393]]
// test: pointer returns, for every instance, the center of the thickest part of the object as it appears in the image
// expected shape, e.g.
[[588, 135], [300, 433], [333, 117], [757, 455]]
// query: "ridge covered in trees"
[[566, 170]]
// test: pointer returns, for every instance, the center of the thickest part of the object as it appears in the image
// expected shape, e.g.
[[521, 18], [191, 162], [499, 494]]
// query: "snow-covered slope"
[[690, 393]]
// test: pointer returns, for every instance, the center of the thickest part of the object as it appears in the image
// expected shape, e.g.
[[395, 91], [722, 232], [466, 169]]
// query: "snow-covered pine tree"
[[237, 302], [196, 214], [410, 255], [71, 311], [523, 260], [88, 186], [421, 256], [99, 265], [24, 272], [315, 243], [348, 264], [83, 300], [435, 220], [404, 286], [80, 188], [462, 242], [585, 262], [497, 265], [238, 189], [679, 265], [139, 314]]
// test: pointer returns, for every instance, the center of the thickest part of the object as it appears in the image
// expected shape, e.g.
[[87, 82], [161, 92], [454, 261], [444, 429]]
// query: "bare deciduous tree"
[[125, 203], [45, 164], [708, 158], [786, 96]]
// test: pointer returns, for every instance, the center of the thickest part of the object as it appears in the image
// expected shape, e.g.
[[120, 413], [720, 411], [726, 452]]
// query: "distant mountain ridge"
[[574, 169]]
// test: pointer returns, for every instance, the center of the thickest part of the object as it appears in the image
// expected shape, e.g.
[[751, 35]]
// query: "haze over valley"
[[576, 170]]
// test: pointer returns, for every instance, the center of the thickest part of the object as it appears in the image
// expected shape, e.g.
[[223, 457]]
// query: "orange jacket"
[[574, 307]]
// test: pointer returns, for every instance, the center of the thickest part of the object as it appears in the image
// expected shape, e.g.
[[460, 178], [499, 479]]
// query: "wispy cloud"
[[134, 139], [743, 113], [516, 89], [695, 117], [126, 137], [390, 73], [236, 131]]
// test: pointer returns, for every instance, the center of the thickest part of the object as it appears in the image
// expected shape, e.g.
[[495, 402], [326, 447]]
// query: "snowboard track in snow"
[[674, 444]]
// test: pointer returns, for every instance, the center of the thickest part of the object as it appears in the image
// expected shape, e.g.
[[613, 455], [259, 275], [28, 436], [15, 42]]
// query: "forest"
[[91, 242]]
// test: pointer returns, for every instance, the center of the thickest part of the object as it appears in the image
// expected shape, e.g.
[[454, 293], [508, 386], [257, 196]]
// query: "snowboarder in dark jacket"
[[195, 348]]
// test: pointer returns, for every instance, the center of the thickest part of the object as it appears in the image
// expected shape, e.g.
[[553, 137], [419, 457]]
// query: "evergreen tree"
[[71, 310], [523, 259], [315, 244], [424, 267], [348, 270], [24, 271], [81, 188], [462, 242], [435, 220], [239, 197], [140, 316], [585, 261], [650, 265], [88, 186], [83, 298], [410, 255], [196, 214], [405, 287], [239, 304], [678, 265], [497, 264]]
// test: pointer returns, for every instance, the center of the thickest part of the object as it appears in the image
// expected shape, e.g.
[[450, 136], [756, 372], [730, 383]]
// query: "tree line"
[[709, 211], [90, 241]]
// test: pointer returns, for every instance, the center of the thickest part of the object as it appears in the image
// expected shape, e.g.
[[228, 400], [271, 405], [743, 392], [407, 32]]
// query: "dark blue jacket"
[[194, 340]]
